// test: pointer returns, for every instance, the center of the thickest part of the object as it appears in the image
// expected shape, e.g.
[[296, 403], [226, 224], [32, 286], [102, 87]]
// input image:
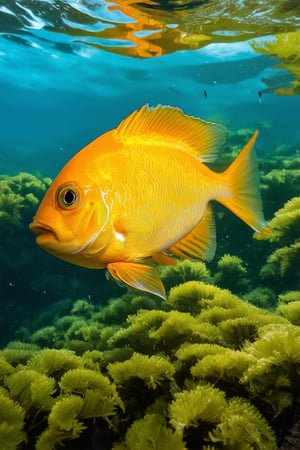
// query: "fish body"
[[139, 194]]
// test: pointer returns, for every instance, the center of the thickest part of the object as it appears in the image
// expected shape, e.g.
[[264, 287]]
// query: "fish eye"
[[68, 196]]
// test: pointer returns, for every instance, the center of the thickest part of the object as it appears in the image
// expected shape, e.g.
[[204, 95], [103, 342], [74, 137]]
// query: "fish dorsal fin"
[[166, 126], [200, 243], [138, 276]]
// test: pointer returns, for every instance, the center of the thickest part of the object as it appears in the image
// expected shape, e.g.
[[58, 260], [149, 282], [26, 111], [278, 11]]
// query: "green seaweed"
[[232, 274], [151, 433], [239, 415], [284, 262], [190, 373], [286, 47], [203, 404], [11, 423]]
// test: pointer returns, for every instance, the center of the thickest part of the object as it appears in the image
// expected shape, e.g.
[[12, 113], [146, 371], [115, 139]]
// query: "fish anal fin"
[[139, 276], [170, 126], [200, 243]]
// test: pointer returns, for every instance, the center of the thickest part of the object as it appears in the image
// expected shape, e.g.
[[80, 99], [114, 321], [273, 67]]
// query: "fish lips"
[[43, 232]]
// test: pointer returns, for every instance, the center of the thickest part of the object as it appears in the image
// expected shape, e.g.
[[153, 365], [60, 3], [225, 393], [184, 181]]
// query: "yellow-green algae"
[[224, 376], [284, 262], [18, 196], [286, 47]]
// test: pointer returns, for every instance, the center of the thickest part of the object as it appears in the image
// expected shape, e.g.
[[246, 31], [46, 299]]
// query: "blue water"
[[58, 91]]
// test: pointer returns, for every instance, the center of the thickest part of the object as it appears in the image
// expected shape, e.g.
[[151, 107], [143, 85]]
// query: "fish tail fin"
[[242, 177]]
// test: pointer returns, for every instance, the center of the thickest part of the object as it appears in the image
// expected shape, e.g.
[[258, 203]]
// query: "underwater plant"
[[12, 416], [183, 271], [284, 262], [290, 311], [19, 196], [263, 297], [231, 274], [200, 376], [278, 186], [286, 47], [240, 415]]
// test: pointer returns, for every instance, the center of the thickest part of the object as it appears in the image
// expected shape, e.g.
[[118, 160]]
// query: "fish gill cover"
[[84, 362]]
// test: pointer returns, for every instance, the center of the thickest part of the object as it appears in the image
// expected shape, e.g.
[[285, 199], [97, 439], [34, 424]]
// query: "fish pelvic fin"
[[200, 243], [139, 276], [162, 259], [245, 200], [169, 126]]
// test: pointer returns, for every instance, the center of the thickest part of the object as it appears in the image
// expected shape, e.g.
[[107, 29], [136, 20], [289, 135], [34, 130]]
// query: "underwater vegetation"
[[203, 370], [286, 47], [90, 365]]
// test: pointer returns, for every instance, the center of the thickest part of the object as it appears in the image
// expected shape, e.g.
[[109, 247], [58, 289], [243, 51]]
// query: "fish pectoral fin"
[[200, 243], [138, 276]]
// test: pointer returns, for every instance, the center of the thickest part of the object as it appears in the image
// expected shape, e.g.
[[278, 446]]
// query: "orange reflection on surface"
[[143, 24], [153, 31]]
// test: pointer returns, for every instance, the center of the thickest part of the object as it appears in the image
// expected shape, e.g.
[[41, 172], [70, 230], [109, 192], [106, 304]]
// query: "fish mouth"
[[42, 230]]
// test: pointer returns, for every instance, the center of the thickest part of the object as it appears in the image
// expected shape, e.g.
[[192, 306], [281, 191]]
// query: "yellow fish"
[[139, 194]]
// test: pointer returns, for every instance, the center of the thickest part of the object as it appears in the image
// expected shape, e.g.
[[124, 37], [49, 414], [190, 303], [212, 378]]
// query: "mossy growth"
[[232, 274], [242, 426], [31, 389], [55, 396], [12, 416], [279, 186], [284, 262], [204, 404], [18, 195], [290, 311], [263, 297], [289, 296], [273, 376], [184, 271], [151, 433], [225, 367], [286, 223], [152, 370], [192, 372]]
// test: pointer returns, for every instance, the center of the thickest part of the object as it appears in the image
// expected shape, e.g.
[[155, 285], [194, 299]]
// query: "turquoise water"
[[72, 70], [69, 72]]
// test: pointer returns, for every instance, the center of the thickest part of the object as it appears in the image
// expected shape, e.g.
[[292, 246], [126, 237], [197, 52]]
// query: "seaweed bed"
[[86, 364]]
